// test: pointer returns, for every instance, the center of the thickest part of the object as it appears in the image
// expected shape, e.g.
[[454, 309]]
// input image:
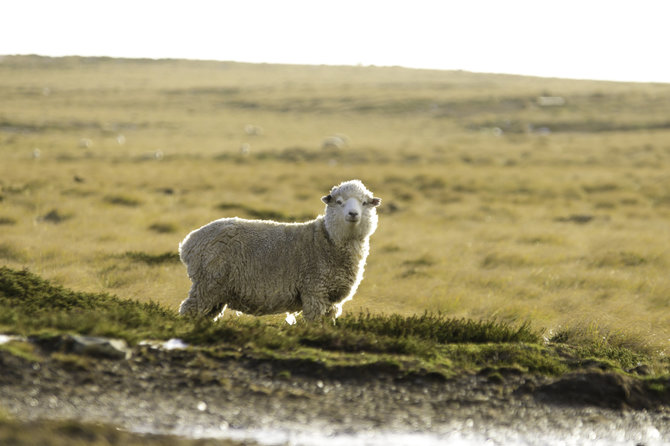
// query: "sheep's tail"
[[193, 249], [186, 249]]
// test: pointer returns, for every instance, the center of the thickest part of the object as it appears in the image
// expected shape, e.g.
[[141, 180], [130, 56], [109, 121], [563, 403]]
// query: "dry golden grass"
[[483, 215]]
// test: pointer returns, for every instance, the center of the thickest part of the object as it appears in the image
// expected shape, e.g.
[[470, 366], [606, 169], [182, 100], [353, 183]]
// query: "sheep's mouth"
[[351, 219]]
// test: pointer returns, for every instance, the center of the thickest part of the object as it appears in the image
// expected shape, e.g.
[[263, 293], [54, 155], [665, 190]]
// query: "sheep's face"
[[350, 205]]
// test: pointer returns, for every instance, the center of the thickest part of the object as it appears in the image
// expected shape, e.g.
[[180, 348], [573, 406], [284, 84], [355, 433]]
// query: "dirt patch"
[[603, 389], [224, 390]]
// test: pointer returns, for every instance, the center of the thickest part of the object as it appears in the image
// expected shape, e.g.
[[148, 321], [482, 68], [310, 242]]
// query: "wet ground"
[[223, 394]]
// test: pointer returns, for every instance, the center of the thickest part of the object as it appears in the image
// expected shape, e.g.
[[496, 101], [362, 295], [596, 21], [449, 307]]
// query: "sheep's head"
[[351, 210]]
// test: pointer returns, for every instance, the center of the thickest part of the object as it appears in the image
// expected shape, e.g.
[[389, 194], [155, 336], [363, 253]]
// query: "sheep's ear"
[[376, 201], [327, 199]]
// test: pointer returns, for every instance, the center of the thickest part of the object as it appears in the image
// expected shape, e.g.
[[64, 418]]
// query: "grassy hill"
[[427, 343], [505, 197]]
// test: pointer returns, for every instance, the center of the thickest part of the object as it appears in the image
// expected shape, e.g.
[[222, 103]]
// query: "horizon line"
[[335, 65]]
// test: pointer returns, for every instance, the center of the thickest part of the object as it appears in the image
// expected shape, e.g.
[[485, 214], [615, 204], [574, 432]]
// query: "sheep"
[[550, 101], [336, 142], [263, 267], [254, 130]]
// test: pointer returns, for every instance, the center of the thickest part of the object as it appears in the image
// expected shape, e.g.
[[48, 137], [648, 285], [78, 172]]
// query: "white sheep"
[[336, 142], [265, 267]]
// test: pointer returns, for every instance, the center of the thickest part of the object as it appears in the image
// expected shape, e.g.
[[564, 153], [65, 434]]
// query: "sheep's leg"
[[222, 313], [315, 309], [331, 315], [189, 307], [331, 312], [201, 301]]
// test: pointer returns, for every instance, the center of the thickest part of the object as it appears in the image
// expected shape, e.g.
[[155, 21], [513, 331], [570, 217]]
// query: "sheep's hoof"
[[189, 308]]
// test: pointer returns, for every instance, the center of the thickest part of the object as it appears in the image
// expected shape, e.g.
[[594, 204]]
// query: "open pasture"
[[507, 197]]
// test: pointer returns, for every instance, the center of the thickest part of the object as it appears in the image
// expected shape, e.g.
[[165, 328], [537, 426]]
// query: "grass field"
[[497, 202]]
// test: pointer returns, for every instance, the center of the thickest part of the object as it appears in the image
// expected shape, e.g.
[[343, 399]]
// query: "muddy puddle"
[[191, 394], [636, 430]]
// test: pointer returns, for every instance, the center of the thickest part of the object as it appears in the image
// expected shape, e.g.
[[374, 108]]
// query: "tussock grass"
[[10, 252], [123, 200], [622, 259], [440, 329], [424, 260], [495, 260], [164, 228], [153, 259], [416, 267], [54, 216], [604, 340]]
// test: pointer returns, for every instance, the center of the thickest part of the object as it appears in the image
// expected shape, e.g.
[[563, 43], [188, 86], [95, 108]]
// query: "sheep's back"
[[254, 259]]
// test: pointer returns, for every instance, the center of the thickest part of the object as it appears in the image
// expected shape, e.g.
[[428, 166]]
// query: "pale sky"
[[587, 39]]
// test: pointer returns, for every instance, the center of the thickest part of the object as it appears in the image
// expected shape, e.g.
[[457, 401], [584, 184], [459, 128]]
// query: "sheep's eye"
[[339, 202], [365, 203]]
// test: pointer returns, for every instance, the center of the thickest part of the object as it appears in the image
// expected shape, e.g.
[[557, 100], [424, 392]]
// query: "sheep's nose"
[[353, 214]]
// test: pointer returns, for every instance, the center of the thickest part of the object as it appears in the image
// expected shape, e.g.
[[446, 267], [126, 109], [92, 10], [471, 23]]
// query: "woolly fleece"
[[265, 267]]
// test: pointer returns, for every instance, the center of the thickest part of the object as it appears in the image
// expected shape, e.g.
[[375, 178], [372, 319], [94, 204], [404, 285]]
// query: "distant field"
[[506, 197]]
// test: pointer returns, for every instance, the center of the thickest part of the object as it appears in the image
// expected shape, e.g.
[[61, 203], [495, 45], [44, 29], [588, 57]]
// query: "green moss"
[[72, 362], [21, 349], [660, 386]]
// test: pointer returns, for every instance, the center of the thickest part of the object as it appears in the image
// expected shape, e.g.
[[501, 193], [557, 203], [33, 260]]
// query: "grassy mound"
[[30, 305]]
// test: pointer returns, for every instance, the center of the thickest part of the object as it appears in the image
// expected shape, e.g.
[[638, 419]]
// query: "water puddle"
[[4, 339], [170, 344], [460, 434]]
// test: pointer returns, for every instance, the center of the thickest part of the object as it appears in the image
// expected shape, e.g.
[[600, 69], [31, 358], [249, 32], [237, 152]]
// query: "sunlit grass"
[[562, 228]]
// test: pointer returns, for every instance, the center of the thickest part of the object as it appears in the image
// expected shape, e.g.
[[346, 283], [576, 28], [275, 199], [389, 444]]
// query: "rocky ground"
[[226, 394]]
